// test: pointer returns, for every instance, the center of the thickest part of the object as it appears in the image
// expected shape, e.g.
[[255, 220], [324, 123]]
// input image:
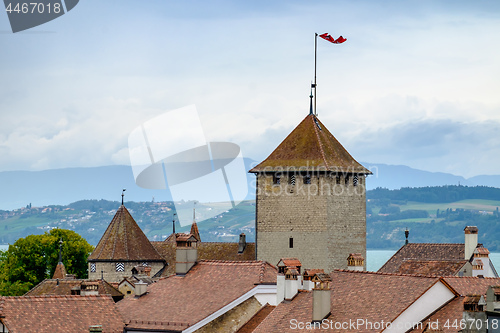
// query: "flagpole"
[[315, 60]]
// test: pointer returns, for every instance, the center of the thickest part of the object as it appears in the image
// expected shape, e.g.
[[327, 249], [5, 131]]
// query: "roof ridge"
[[75, 297], [319, 142], [382, 273]]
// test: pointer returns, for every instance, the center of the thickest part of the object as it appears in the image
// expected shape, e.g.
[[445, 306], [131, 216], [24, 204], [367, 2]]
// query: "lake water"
[[375, 258]]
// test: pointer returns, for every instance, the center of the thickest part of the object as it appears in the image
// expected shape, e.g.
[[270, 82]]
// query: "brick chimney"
[[140, 288], [470, 241], [321, 297], [186, 253], [242, 243], [355, 262]]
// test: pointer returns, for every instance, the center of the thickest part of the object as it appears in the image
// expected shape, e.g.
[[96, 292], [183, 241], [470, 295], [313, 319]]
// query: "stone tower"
[[310, 200], [122, 247]]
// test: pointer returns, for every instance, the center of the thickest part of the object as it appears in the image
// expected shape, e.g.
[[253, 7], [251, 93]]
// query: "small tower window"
[[277, 179], [290, 242], [346, 180], [292, 180], [120, 267], [307, 179], [92, 267], [337, 180], [355, 180]]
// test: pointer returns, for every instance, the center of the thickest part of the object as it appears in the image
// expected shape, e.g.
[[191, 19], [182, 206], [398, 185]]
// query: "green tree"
[[34, 258]]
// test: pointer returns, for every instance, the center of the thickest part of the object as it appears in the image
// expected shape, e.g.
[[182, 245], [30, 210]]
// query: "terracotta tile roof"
[[290, 262], [465, 287], [60, 271], [48, 314], [471, 230], [64, 287], [190, 298], [471, 285], [481, 250], [448, 254], [123, 240], [357, 256], [311, 272], [206, 251], [195, 232], [371, 296], [431, 267], [310, 146], [250, 325], [185, 237]]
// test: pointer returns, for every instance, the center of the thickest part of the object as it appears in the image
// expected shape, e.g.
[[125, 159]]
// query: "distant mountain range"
[[64, 186]]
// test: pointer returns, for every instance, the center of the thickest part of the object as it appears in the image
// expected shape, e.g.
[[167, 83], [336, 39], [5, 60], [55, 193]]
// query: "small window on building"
[[277, 179], [355, 180], [120, 267], [290, 242], [307, 179], [129, 292], [292, 179], [337, 180], [92, 267], [346, 180]]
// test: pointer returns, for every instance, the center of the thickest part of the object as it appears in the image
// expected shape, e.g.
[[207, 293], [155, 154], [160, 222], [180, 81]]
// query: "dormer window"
[[292, 180], [277, 179], [307, 179]]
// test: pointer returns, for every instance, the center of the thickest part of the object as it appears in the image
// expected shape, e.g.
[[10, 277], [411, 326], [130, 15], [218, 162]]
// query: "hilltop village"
[[305, 271]]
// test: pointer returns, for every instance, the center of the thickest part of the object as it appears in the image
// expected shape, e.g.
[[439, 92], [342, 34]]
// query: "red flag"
[[329, 38], [340, 40]]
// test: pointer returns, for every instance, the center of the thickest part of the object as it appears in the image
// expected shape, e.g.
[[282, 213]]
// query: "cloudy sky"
[[417, 82]]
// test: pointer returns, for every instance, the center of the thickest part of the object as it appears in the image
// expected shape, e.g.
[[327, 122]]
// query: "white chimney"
[[186, 253], [470, 241], [321, 297], [291, 283], [140, 288], [280, 288]]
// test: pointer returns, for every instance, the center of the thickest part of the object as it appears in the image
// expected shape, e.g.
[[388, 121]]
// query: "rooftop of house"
[[431, 267], [371, 296], [66, 286], [310, 147], [465, 287], [60, 271], [124, 240], [206, 251], [185, 300], [443, 257], [48, 314]]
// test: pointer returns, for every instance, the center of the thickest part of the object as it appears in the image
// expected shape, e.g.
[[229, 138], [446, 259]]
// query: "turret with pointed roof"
[[311, 201], [122, 247]]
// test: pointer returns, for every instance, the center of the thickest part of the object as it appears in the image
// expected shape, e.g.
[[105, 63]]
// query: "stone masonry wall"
[[326, 219]]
